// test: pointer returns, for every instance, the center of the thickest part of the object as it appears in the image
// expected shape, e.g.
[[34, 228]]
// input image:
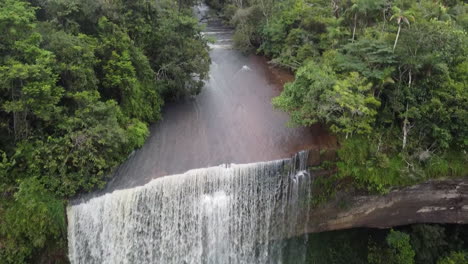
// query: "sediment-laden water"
[[230, 121]]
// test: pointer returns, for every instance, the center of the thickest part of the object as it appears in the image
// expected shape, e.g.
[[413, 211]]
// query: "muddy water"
[[231, 121]]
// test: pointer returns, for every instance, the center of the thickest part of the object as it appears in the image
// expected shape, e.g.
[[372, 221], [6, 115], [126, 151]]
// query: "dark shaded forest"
[[418, 244]]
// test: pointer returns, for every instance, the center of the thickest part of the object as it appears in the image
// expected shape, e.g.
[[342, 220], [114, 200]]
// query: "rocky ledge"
[[442, 201]]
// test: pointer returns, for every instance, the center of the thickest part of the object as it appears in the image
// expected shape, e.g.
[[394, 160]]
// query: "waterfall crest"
[[226, 214]]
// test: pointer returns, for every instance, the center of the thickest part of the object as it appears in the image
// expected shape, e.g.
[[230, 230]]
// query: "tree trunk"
[[264, 11], [354, 29], [405, 128], [410, 79], [384, 20], [336, 8], [405, 132], [397, 36]]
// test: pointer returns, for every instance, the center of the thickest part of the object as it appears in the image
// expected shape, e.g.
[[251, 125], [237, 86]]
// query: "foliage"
[[246, 20], [388, 77], [354, 107], [399, 243], [396, 250], [26, 234], [385, 246], [338, 247], [80, 81], [370, 171], [429, 244], [182, 70], [305, 98], [293, 37], [455, 258], [88, 143], [316, 96], [429, 241]]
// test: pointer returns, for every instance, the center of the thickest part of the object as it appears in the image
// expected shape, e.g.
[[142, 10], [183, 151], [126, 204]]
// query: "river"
[[230, 121]]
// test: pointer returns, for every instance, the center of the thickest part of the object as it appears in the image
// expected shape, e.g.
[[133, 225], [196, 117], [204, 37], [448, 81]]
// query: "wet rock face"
[[443, 201]]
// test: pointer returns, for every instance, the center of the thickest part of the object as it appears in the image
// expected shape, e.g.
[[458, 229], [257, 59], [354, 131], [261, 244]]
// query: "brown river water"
[[231, 121]]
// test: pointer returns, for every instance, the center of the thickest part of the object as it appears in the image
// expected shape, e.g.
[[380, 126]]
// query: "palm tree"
[[355, 9], [400, 16], [363, 8]]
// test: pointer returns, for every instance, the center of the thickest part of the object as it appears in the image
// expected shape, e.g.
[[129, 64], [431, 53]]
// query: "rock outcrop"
[[442, 201]]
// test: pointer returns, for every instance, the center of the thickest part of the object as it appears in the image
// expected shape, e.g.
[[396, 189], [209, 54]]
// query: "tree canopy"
[[80, 82]]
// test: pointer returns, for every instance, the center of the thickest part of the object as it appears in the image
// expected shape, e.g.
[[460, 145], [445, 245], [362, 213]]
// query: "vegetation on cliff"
[[389, 77], [80, 82]]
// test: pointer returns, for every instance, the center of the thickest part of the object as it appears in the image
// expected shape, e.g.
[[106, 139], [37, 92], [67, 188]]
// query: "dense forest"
[[80, 82], [390, 79]]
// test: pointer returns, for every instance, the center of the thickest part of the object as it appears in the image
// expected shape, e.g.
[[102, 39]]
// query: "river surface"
[[230, 121]]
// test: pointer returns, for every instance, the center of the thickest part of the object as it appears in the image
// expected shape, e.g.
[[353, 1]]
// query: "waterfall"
[[226, 214]]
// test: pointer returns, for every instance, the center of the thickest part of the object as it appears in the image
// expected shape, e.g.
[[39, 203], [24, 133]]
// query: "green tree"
[[126, 75], [88, 142], [353, 106], [75, 58], [33, 219], [454, 258], [429, 241], [399, 243], [397, 251], [347, 105], [27, 80], [400, 16], [305, 99], [363, 8], [181, 61]]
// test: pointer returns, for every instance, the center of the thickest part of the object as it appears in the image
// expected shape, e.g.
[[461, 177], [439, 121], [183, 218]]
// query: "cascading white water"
[[226, 214]]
